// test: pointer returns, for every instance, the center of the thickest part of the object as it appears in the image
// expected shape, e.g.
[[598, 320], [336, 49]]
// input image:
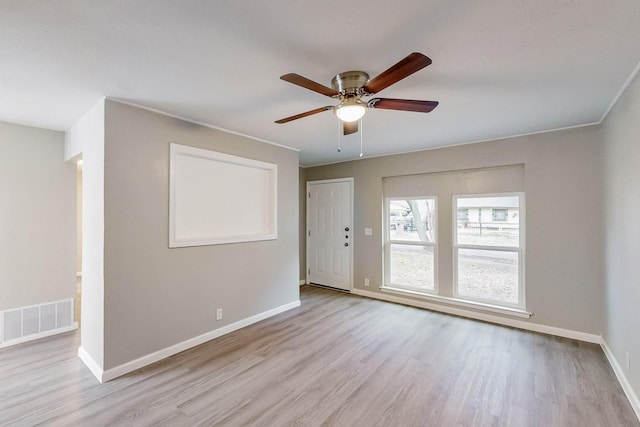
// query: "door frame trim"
[[349, 180]]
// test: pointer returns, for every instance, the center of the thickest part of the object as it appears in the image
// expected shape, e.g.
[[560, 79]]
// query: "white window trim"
[[482, 306], [388, 242], [520, 250]]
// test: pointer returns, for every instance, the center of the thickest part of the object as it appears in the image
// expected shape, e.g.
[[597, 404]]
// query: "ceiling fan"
[[351, 86]]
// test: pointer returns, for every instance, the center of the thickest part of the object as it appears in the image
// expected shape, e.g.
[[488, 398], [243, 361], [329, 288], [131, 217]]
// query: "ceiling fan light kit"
[[349, 87], [350, 110]]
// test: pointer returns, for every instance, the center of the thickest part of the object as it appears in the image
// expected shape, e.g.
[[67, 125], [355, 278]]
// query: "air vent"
[[36, 321]]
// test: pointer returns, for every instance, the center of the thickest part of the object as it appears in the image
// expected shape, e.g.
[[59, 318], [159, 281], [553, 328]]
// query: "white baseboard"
[[535, 327], [93, 366], [125, 368], [39, 335], [303, 282], [622, 378]]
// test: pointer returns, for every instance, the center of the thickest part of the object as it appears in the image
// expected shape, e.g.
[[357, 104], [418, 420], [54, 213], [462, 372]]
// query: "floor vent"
[[35, 321]]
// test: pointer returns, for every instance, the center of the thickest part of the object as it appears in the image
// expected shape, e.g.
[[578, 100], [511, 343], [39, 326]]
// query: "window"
[[410, 243], [463, 214], [488, 259]]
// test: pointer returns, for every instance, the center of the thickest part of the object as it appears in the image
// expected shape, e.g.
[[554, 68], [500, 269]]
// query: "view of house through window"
[[488, 249], [410, 255], [456, 237], [488, 242]]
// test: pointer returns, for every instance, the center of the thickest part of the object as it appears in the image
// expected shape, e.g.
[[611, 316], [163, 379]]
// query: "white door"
[[330, 233]]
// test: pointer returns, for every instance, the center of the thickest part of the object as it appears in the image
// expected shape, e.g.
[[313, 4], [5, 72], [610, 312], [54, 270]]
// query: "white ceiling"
[[500, 67]]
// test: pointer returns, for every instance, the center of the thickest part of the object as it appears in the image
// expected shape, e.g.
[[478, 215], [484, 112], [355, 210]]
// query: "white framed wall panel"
[[217, 198]]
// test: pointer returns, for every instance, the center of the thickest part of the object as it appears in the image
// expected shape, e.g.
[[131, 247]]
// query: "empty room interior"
[[362, 213]]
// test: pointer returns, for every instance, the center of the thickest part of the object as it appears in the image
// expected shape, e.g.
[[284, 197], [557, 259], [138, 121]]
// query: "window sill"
[[516, 312]]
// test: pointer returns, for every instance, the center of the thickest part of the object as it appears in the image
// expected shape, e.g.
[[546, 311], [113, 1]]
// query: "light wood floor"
[[337, 360]]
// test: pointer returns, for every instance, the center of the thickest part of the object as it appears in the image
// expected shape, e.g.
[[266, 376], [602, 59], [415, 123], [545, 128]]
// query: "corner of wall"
[[75, 137], [86, 137], [622, 378], [621, 178]]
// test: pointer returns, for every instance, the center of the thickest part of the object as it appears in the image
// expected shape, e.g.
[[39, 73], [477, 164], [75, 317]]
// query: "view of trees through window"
[[487, 248], [412, 240]]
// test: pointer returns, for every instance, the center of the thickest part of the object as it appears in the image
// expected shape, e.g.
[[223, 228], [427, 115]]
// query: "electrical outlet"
[[366, 282], [219, 314], [628, 361]]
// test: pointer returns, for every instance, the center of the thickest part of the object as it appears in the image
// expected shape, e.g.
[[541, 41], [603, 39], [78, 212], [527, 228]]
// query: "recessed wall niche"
[[217, 198]]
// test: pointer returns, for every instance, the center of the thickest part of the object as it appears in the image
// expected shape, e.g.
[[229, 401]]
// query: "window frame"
[[520, 249], [388, 242]]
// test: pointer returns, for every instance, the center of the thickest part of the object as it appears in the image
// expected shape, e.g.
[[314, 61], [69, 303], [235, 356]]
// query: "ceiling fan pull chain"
[[361, 132], [339, 136]]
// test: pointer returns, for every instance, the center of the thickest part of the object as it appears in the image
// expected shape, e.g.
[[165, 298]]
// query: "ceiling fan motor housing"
[[349, 82]]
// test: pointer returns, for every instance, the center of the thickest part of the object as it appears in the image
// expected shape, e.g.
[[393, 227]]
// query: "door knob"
[[346, 244], [346, 229]]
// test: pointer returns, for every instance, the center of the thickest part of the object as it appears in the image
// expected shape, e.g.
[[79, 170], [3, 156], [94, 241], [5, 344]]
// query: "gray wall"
[[156, 297], [621, 132], [563, 195], [37, 218]]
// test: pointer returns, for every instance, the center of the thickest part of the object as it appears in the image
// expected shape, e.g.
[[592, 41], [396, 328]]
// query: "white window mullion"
[[409, 242], [490, 248]]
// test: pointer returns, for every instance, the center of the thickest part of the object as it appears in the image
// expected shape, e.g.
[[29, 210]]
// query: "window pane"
[[489, 275], [490, 221], [412, 220], [412, 266], [499, 214]]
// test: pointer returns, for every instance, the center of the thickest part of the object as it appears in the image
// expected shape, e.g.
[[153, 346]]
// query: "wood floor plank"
[[337, 360]]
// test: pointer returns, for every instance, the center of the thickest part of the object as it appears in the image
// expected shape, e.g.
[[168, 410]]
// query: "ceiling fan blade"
[[305, 114], [350, 127], [304, 82], [409, 65], [403, 104]]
